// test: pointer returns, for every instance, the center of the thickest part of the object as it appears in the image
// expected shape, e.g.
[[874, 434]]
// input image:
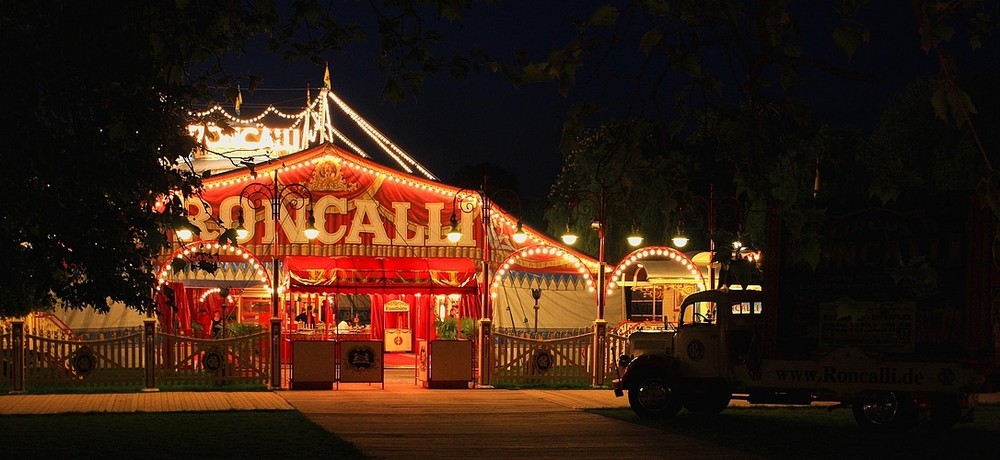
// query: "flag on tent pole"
[[239, 99], [326, 76]]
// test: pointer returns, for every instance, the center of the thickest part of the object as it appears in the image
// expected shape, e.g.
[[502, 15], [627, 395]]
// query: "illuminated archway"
[[547, 276], [207, 256], [543, 252], [656, 253]]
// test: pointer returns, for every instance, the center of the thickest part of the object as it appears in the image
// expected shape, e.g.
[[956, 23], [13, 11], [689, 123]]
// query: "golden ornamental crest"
[[327, 177]]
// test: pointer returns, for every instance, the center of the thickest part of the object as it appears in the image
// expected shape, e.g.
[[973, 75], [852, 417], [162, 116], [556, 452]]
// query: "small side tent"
[[545, 287], [648, 285]]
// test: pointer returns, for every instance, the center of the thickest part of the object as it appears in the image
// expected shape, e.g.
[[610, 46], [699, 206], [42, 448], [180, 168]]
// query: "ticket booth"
[[398, 335]]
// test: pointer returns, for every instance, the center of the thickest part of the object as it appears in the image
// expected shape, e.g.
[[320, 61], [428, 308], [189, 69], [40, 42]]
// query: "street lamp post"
[[599, 201], [536, 293], [709, 206], [295, 196], [454, 235]]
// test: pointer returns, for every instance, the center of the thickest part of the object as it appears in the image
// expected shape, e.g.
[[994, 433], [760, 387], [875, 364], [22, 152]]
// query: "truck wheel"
[[884, 411], [712, 402], [654, 397]]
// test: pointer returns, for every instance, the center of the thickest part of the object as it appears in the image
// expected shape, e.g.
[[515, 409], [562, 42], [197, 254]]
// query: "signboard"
[[881, 326], [396, 306], [351, 202], [361, 361], [245, 141]]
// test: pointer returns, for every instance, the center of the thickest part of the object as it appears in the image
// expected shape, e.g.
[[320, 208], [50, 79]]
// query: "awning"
[[374, 275]]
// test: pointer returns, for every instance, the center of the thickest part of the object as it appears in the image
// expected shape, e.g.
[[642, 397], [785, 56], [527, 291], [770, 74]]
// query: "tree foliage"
[[728, 84], [97, 108], [98, 104], [612, 172]]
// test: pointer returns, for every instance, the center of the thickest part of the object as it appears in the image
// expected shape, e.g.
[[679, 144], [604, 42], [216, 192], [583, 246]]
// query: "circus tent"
[[381, 236]]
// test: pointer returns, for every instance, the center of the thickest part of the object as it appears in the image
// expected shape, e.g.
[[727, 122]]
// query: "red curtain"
[[378, 327], [419, 319], [189, 308], [173, 308]]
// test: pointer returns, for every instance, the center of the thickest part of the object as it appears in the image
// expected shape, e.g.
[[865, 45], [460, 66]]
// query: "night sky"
[[451, 123], [486, 119]]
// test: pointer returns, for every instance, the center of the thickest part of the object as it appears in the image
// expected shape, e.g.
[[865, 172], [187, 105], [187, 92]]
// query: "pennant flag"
[[239, 100], [326, 76]]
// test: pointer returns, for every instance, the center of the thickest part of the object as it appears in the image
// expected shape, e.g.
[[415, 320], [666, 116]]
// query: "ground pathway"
[[401, 420], [493, 423]]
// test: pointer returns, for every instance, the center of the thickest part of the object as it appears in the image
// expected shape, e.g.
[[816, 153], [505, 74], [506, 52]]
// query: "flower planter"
[[445, 363], [313, 365]]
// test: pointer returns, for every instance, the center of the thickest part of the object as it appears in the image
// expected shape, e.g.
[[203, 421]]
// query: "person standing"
[[217, 325]]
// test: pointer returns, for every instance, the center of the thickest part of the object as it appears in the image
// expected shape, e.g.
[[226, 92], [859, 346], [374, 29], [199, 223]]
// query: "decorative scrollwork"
[[542, 360], [213, 360], [84, 361], [362, 359]]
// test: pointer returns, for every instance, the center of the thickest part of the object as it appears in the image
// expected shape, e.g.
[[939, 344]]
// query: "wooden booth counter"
[[319, 364], [445, 363], [314, 364]]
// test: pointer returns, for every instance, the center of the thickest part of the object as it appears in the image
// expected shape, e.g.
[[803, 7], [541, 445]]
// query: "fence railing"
[[44, 358], [617, 345], [183, 360], [524, 360], [53, 359]]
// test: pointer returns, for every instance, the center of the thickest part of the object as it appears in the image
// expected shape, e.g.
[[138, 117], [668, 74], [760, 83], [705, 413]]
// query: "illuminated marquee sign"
[[357, 221], [351, 203], [246, 140]]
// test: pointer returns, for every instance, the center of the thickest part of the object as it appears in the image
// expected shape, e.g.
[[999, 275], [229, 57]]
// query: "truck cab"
[[690, 366], [716, 329]]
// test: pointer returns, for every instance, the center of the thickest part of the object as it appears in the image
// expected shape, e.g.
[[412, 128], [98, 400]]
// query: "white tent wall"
[[557, 308], [119, 317], [567, 303]]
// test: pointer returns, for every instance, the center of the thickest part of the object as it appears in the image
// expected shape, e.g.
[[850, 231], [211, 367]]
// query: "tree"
[[99, 100], [100, 113], [618, 163], [732, 85], [100, 94]]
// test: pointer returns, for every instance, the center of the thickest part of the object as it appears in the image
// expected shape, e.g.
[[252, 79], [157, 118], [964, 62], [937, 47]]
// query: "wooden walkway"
[[405, 421], [166, 401], [490, 423]]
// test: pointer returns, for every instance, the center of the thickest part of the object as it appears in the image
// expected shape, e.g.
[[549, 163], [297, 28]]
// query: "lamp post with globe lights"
[[292, 196], [710, 207], [466, 201], [598, 203]]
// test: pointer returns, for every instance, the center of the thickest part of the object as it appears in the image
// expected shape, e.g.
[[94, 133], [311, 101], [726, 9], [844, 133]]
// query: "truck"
[[895, 321]]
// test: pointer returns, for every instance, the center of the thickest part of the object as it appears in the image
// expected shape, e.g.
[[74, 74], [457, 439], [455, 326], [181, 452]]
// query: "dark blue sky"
[[452, 122], [486, 119]]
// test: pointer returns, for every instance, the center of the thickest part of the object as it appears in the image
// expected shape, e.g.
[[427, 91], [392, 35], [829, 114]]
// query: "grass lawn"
[[816, 433], [178, 435]]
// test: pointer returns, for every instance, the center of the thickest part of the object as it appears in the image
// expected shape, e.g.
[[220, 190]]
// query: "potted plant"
[[447, 328], [469, 328], [197, 330]]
